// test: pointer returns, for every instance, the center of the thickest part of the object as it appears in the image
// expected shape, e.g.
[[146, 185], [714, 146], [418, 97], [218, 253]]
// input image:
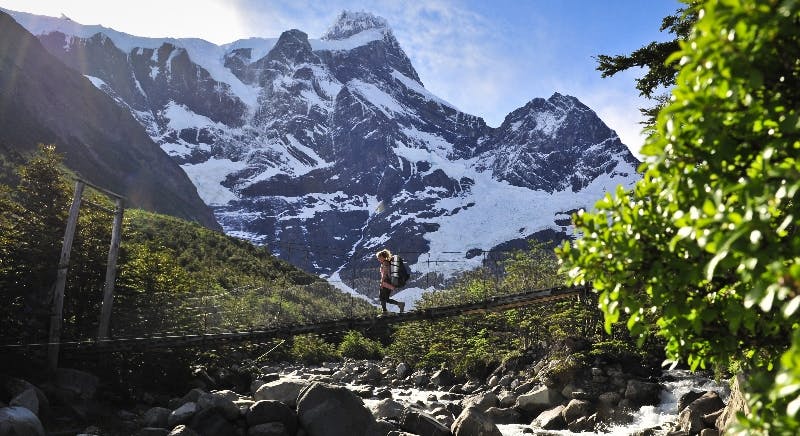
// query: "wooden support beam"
[[111, 271], [56, 314]]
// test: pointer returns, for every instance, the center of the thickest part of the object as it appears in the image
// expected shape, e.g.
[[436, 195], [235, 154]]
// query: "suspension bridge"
[[257, 335]]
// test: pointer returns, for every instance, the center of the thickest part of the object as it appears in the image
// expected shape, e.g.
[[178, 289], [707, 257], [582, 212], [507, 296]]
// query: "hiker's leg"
[[384, 297]]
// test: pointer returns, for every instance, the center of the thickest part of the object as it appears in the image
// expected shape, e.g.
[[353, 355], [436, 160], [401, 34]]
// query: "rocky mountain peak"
[[350, 23], [292, 45]]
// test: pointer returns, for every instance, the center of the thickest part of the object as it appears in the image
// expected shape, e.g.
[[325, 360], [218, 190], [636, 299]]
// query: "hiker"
[[384, 256]]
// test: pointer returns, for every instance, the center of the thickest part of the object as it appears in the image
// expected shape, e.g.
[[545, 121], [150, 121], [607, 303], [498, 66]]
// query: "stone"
[[269, 429], [443, 378], [326, 410], [152, 431], [371, 375], [156, 417], [221, 403], [15, 386], [420, 423], [81, 384], [576, 409], [27, 399], [481, 401], [182, 430], [642, 393], [709, 432], [710, 419], [538, 400], [285, 391], [266, 411], [192, 396], [584, 424], [211, 422], [473, 422], [182, 415], [551, 419], [419, 378], [18, 421], [687, 398], [402, 370], [387, 409], [691, 418], [503, 415]]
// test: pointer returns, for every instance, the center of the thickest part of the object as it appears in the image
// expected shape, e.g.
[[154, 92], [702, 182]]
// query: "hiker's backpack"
[[398, 272]]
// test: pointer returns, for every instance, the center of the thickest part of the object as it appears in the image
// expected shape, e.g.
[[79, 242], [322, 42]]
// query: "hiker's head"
[[384, 255]]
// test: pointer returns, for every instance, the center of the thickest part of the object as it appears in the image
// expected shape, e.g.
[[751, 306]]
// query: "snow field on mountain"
[[208, 177]]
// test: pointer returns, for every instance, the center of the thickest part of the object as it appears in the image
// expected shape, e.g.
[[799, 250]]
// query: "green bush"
[[312, 350], [356, 346]]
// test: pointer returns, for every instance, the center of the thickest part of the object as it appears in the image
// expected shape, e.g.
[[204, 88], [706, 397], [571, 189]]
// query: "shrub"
[[356, 346]]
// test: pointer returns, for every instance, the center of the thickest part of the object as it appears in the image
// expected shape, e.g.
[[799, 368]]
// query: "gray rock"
[[419, 378], [269, 429], [576, 409], [285, 391], [15, 386], [443, 378], [27, 399], [538, 400], [19, 421], [687, 399], [387, 409], [473, 422], [266, 411], [152, 431], [156, 417], [643, 393], [504, 416], [325, 410], [551, 419], [211, 422], [182, 415], [82, 384], [709, 432], [584, 423], [221, 403], [182, 430], [481, 401], [420, 423], [691, 418]]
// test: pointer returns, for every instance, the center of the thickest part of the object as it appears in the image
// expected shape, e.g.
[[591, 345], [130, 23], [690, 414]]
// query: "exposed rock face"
[[473, 422], [298, 140], [43, 101], [325, 410]]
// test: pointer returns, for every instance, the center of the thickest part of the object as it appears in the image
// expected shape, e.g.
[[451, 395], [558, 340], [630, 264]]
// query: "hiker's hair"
[[384, 254]]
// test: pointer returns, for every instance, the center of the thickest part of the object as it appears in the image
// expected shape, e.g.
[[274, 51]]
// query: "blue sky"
[[485, 57]]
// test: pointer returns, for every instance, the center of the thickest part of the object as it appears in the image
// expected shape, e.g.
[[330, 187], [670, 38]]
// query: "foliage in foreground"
[[707, 241], [472, 344]]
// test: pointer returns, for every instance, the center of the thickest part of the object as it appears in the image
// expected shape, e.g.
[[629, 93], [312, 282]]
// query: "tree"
[[660, 73], [707, 242]]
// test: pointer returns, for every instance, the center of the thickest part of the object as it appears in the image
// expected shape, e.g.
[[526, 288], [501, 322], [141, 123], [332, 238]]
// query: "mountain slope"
[[42, 101], [328, 149]]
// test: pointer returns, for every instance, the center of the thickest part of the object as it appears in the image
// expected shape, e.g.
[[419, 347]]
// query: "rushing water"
[[648, 417]]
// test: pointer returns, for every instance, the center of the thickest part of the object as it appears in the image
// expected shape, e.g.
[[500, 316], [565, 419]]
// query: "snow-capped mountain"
[[328, 149]]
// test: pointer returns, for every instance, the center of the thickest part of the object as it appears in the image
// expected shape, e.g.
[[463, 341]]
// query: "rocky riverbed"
[[351, 398]]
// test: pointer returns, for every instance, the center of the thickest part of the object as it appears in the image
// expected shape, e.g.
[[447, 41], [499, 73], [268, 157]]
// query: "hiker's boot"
[[402, 306]]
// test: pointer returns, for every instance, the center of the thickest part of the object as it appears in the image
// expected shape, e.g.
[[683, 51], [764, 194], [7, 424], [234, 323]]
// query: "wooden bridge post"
[[111, 271], [57, 310]]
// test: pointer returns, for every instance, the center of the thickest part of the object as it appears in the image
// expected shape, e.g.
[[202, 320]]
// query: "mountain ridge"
[[340, 128]]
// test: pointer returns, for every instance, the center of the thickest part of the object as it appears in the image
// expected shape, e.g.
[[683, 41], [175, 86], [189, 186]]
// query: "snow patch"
[[208, 177]]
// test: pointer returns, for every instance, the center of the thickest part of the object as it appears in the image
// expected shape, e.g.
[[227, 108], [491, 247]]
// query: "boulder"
[[443, 378], [584, 424], [371, 374], [481, 401], [419, 378], [79, 383], [325, 410], [576, 409], [387, 409], [402, 370], [504, 416], [17, 421], [182, 415], [538, 400], [551, 419], [266, 411], [285, 391], [182, 430], [642, 393], [269, 429], [219, 402], [156, 417], [420, 423], [211, 422], [691, 418], [473, 422], [152, 431], [27, 399], [15, 386], [687, 399]]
